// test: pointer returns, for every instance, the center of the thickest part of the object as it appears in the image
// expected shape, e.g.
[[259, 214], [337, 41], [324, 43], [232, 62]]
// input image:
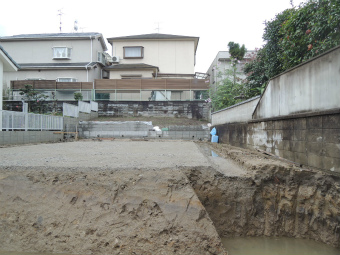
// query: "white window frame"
[[58, 54], [66, 79]]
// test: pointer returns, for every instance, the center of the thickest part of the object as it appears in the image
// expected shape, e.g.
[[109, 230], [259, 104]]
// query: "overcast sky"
[[215, 22]]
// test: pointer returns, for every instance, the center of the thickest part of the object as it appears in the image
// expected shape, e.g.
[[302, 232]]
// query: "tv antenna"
[[60, 13], [157, 28], [76, 25]]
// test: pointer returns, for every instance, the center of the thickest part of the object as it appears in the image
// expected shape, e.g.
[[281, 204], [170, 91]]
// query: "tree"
[[35, 99], [292, 37], [229, 91], [236, 51], [78, 96]]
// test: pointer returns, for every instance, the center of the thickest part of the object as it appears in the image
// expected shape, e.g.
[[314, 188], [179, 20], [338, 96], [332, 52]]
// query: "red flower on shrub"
[[308, 31]]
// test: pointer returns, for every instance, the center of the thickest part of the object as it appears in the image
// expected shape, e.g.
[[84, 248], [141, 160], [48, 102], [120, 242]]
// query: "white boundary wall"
[[241, 112], [312, 86]]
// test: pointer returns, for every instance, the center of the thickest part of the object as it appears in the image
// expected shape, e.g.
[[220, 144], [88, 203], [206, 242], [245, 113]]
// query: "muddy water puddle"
[[223, 165], [276, 246]]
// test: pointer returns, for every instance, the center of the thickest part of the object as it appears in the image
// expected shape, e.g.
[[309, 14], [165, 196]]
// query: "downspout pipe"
[[91, 57]]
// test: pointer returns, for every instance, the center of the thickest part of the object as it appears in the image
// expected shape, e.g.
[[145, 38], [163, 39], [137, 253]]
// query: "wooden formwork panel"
[[51, 84], [130, 84], [105, 84], [154, 84], [68, 85], [182, 84], [87, 85]]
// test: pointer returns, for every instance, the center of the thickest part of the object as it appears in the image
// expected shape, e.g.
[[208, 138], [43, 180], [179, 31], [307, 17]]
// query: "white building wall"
[[42, 51], [169, 56]]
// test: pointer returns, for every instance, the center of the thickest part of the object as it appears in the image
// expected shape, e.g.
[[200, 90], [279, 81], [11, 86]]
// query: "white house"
[[153, 56]]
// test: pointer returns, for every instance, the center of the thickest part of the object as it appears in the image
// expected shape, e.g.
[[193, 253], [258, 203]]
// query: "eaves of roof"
[[9, 57], [82, 65], [130, 67]]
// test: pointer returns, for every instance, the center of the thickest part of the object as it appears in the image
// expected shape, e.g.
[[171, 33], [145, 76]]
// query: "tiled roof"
[[153, 36], [50, 35], [130, 66], [55, 36]]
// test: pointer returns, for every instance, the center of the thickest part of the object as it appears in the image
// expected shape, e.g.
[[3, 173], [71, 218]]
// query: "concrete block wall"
[[25, 137], [187, 109], [310, 140], [90, 129], [186, 135], [140, 129]]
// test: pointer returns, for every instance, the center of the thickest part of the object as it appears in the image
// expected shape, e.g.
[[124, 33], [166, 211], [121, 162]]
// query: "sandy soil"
[[105, 154], [104, 197], [139, 197]]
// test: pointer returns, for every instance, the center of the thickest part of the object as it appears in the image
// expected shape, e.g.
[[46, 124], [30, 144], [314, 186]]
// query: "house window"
[[134, 52], [61, 53], [66, 79]]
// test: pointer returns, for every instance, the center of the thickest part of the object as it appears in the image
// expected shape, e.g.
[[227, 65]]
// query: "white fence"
[[94, 106], [73, 110], [11, 120], [70, 110], [84, 107]]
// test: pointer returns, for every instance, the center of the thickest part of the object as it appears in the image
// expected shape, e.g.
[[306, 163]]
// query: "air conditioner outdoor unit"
[[115, 59]]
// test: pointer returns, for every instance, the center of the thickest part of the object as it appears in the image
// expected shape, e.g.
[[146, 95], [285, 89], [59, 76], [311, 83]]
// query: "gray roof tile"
[[153, 36]]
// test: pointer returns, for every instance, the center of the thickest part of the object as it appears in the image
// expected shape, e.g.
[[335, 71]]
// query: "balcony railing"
[[117, 89]]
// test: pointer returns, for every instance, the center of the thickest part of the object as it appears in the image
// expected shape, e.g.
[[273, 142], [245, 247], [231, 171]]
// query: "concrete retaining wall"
[[310, 87], [297, 117], [237, 113], [309, 140], [91, 129], [140, 129], [187, 109], [25, 137]]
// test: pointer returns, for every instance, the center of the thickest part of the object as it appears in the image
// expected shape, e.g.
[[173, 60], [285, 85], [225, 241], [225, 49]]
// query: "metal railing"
[[11, 120]]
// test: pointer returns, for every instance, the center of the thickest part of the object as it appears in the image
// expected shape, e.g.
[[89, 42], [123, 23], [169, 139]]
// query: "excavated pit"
[[272, 203], [170, 199]]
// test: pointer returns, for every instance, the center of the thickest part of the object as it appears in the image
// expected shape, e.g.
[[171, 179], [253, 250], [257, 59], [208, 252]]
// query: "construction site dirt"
[[157, 197]]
